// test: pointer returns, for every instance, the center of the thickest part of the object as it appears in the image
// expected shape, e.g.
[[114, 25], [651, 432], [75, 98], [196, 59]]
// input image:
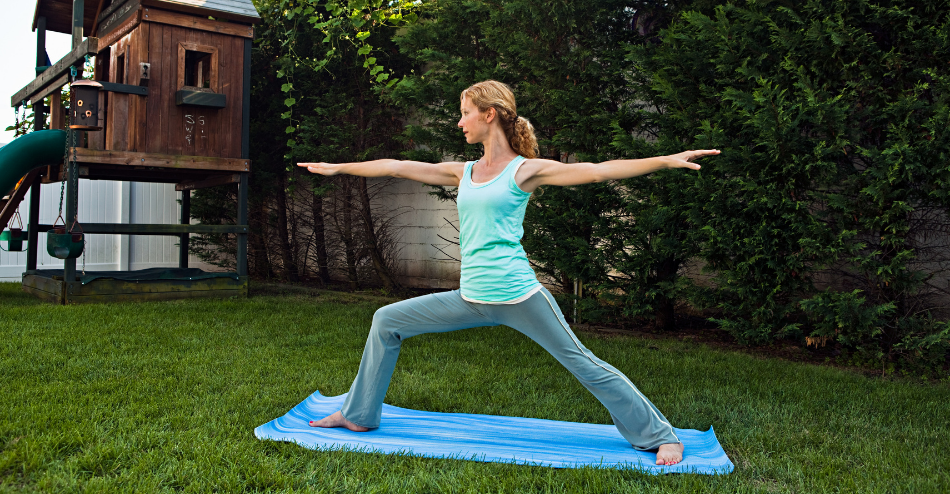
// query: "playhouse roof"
[[59, 13]]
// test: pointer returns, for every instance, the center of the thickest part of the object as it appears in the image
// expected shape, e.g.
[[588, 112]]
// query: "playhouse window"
[[198, 69]]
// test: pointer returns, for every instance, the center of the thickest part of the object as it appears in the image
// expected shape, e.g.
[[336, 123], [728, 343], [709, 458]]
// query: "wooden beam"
[[89, 46], [51, 288], [198, 11], [159, 229], [131, 158], [116, 34], [95, 19], [53, 88], [125, 10], [211, 182], [193, 22], [116, 4], [114, 87], [16, 197]]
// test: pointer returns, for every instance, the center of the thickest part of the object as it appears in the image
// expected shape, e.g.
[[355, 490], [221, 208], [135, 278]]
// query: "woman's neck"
[[497, 149]]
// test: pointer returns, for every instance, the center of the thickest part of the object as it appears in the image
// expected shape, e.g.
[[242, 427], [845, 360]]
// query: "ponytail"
[[522, 138]]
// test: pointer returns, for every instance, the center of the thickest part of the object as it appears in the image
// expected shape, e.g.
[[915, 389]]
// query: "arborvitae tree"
[[821, 216]]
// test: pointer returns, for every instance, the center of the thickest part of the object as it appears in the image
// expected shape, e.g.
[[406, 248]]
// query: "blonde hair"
[[518, 130]]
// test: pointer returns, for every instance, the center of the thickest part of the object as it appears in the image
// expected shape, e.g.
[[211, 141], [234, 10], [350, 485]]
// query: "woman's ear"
[[490, 114]]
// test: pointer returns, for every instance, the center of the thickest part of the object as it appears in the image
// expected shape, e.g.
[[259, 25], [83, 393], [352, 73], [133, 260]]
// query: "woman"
[[497, 284]]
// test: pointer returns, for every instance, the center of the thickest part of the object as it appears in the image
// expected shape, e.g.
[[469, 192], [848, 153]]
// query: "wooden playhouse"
[[169, 104]]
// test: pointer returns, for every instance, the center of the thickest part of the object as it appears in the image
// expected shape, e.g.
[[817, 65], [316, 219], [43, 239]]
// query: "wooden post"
[[39, 116], [57, 118], [33, 225], [32, 228], [185, 220], [72, 201], [246, 154], [72, 170], [246, 103], [242, 220], [40, 41], [78, 14]]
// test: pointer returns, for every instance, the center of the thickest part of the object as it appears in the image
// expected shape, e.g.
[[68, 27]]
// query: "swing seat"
[[14, 238], [63, 245]]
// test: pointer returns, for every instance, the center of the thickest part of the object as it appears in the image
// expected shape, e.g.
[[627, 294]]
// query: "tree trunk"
[[320, 240], [347, 237], [286, 253], [259, 262], [372, 242], [665, 315]]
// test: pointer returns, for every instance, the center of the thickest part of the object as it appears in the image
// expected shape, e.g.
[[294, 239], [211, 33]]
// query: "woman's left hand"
[[685, 159]]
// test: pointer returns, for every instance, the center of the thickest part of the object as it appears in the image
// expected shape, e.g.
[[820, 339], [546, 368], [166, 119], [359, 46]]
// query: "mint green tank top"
[[495, 268]]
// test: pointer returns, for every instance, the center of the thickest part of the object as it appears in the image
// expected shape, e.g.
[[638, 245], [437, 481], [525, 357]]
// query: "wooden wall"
[[155, 124]]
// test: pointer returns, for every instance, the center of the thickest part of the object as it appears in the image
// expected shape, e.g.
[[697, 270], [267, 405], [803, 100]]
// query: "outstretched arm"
[[448, 173], [537, 172]]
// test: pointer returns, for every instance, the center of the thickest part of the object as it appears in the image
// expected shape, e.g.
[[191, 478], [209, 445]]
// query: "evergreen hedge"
[[826, 214], [824, 219]]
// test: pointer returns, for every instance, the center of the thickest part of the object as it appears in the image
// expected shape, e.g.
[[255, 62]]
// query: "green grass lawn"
[[165, 397]]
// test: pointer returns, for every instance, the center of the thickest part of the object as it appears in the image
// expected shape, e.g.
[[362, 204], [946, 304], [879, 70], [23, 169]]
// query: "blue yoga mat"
[[491, 438]]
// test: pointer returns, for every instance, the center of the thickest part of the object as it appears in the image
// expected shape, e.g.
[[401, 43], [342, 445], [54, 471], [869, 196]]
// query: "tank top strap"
[[514, 165], [467, 174], [513, 170]]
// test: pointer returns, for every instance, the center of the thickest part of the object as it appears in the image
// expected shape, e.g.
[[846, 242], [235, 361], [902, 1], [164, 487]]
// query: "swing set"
[[60, 243]]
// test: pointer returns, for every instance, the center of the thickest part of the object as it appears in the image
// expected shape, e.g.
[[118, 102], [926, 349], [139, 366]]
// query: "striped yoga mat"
[[491, 438]]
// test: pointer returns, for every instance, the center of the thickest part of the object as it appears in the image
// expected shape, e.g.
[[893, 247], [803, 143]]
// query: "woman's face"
[[474, 124]]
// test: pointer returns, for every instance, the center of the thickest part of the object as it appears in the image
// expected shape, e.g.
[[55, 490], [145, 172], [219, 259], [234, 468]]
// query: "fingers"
[[321, 168], [699, 153], [685, 159]]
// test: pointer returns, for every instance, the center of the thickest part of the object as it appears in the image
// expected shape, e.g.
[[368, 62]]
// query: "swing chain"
[[64, 171], [71, 134], [20, 109], [16, 216]]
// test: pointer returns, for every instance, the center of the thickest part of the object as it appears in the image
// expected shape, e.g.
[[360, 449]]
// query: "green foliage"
[[846, 317], [24, 120], [316, 33], [832, 118], [302, 112]]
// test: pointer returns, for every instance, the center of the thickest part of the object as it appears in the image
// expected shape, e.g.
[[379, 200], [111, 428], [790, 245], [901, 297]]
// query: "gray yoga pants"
[[539, 318]]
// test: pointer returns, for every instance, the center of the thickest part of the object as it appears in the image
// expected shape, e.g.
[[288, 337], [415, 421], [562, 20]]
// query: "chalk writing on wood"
[[195, 128]]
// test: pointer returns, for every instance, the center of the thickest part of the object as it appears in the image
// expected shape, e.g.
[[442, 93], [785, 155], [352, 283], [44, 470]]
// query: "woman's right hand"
[[327, 169]]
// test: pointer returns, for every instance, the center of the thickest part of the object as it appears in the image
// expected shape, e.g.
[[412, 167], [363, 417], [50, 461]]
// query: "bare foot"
[[338, 420], [669, 454]]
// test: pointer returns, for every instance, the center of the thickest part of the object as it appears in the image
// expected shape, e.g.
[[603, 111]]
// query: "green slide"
[[33, 150]]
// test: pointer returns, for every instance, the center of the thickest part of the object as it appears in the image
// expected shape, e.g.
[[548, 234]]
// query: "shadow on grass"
[[12, 295]]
